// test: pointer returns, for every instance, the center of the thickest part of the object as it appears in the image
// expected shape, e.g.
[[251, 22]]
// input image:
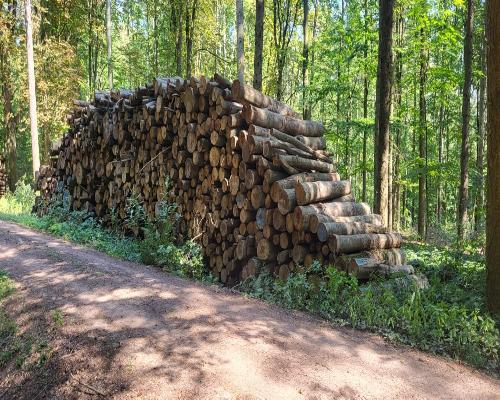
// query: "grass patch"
[[449, 317]]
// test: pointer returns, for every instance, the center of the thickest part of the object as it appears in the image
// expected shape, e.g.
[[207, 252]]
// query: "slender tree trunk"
[[240, 41], [493, 196], [306, 109], [259, 44], [383, 107], [463, 191], [35, 151], [155, 38], [190, 20], [481, 105], [422, 148], [365, 98], [9, 116], [108, 41], [439, 208], [177, 18]]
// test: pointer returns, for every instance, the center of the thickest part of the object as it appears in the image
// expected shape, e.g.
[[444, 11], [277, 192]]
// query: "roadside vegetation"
[[448, 316]]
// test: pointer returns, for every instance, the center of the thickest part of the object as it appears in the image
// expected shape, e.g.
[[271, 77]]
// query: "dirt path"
[[132, 331]]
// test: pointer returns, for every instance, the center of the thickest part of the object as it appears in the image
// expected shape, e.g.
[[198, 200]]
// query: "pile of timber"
[[253, 181], [3, 177]]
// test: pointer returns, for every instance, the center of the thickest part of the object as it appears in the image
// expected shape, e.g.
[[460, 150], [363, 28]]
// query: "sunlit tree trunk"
[[240, 40], [493, 196], [383, 110], [259, 44], [463, 191], [306, 109], [481, 105], [422, 141], [35, 151], [108, 41], [9, 116]]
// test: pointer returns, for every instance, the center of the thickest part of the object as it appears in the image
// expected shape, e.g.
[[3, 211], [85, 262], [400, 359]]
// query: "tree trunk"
[[422, 150], [240, 41], [10, 120], [493, 196], [35, 151], [306, 110], [190, 20], [463, 191], [259, 44], [481, 104], [108, 41], [383, 110]]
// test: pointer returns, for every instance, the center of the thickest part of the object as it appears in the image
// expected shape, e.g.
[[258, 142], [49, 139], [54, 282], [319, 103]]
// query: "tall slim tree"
[[259, 44], [240, 40], [422, 139], [10, 118], [383, 109], [284, 21], [108, 42], [35, 151], [463, 191], [306, 108], [493, 196], [481, 108], [191, 8]]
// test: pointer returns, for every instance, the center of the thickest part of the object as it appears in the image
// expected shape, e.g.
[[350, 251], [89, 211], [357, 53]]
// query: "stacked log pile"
[[3, 177], [252, 180]]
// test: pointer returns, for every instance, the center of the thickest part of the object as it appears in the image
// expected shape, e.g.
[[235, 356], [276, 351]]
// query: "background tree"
[[463, 191], [493, 217], [240, 35], [383, 110], [259, 44]]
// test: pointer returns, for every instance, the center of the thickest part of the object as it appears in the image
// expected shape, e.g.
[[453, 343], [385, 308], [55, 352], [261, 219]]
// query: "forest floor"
[[105, 328]]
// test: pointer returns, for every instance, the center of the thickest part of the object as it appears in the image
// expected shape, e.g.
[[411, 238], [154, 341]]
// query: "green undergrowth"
[[446, 317]]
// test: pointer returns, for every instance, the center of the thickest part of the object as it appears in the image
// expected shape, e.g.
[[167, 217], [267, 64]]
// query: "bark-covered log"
[[370, 241], [313, 192]]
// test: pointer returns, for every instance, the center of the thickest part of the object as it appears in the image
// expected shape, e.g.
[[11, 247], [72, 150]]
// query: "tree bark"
[[108, 42], [10, 120], [463, 191], [383, 109], [306, 110], [240, 41], [481, 104], [35, 151], [493, 196], [259, 44], [422, 133]]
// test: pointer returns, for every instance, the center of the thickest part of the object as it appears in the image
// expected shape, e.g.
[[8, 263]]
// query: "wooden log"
[[306, 164], [266, 250], [328, 229], [313, 192], [248, 94], [301, 214], [316, 219], [286, 124], [290, 182], [370, 241]]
